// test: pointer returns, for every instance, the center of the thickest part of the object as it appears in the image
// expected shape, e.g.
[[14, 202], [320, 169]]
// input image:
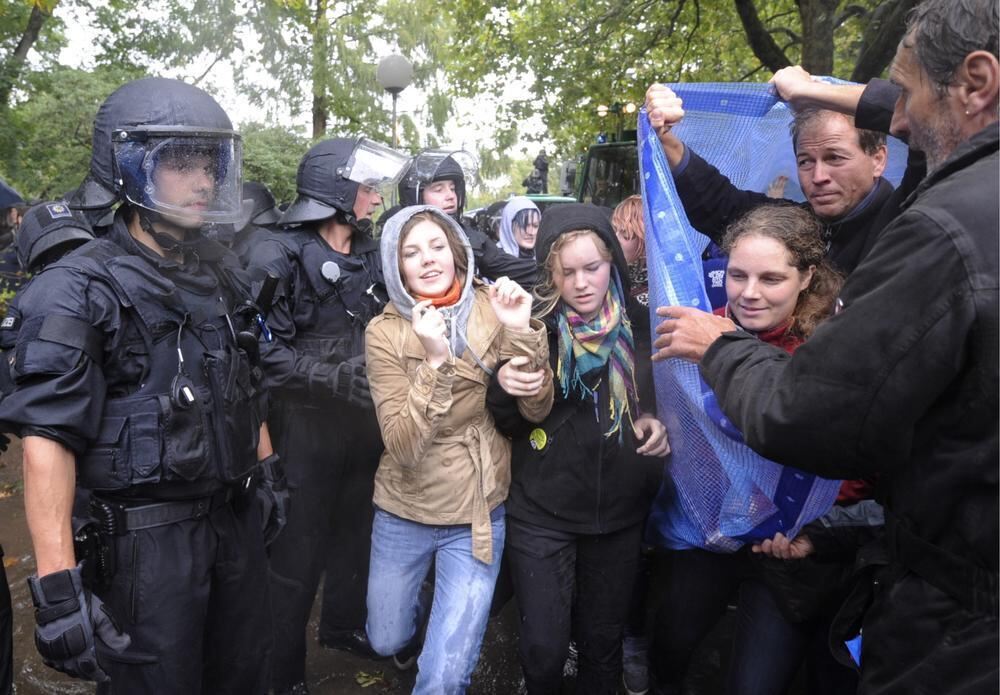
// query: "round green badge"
[[538, 439]]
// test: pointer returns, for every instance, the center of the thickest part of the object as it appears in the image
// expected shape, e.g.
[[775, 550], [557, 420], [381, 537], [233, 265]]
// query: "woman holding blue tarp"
[[779, 287], [582, 479]]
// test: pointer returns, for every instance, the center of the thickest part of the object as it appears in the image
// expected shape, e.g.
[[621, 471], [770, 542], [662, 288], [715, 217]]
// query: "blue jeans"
[[402, 552]]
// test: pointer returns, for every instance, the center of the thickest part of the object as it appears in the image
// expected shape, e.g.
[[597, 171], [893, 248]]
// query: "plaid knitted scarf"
[[585, 347]]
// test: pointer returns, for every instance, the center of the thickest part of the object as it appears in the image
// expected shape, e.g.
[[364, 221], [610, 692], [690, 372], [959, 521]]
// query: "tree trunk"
[[878, 44], [818, 20], [762, 43], [320, 71], [12, 66]]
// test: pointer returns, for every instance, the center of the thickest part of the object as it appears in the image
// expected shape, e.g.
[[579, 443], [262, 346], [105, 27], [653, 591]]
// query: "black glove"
[[274, 499], [68, 618], [350, 382]]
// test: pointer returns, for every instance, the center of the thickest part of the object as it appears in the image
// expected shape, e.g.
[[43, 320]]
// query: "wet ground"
[[330, 672]]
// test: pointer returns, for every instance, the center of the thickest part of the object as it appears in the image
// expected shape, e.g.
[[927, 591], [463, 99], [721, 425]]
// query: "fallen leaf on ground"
[[367, 680]]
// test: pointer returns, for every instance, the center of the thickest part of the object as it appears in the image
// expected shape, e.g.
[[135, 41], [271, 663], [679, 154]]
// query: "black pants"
[[190, 595], [767, 649], [571, 585], [6, 632], [330, 461]]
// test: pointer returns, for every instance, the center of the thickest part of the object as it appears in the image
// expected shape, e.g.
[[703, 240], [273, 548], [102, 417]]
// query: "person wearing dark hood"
[[582, 479], [260, 216], [330, 287], [133, 384], [444, 475], [440, 178]]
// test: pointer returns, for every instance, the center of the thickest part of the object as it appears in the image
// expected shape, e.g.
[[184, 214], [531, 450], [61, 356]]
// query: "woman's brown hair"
[[802, 235]]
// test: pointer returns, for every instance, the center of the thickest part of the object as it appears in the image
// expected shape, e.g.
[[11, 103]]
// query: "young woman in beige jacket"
[[444, 476]]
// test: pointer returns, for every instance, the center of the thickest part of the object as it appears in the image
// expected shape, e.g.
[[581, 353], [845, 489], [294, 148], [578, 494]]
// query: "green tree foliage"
[[581, 53], [47, 136], [289, 55], [271, 156], [25, 26]]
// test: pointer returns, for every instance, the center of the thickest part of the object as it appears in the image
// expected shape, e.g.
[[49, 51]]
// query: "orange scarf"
[[447, 299]]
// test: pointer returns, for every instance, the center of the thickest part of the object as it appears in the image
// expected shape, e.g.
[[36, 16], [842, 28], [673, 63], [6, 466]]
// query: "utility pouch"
[[234, 411], [186, 452]]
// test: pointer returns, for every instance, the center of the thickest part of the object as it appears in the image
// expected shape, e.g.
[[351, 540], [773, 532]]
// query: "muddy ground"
[[329, 672]]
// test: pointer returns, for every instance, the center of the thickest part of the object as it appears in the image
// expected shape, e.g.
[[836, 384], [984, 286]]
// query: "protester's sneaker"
[[353, 641], [635, 665], [406, 658]]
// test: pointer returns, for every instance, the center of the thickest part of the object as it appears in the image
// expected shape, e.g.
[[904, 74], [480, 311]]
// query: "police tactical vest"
[[330, 318], [193, 416]]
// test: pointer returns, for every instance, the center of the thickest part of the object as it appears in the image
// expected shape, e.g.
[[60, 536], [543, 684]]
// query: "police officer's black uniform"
[[321, 417], [130, 360]]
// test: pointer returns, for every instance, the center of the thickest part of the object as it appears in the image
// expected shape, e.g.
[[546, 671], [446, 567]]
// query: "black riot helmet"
[[48, 231], [153, 132], [259, 207], [331, 172], [433, 165]]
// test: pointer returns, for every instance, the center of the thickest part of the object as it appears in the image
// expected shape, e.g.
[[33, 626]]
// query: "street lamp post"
[[619, 109], [394, 74]]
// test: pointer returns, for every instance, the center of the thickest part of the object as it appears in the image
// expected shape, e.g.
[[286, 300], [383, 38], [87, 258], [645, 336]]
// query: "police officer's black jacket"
[[904, 383], [316, 324], [96, 358]]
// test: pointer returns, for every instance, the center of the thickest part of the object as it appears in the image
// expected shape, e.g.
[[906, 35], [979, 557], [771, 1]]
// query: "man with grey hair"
[[903, 382]]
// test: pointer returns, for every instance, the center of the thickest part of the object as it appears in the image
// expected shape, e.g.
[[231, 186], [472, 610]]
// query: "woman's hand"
[[653, 436], [429, 325], [518, 382], [511, 303], [783, 549]]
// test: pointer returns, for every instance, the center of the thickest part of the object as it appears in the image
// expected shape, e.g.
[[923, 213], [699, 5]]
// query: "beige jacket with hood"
[[444, 461]]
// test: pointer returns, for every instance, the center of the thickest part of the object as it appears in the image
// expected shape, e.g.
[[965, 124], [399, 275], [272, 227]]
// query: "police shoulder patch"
[[57, 210], [8, 323]]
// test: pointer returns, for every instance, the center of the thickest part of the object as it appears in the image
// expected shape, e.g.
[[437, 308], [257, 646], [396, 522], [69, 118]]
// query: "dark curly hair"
[[802, 234]]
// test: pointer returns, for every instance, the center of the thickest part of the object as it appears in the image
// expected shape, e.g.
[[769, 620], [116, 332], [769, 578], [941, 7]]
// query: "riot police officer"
[[260, 217], [322, 417], [133, 383], [440, 177]]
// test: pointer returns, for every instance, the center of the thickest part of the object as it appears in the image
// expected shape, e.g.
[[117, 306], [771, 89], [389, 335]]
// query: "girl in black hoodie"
[[583, 479]]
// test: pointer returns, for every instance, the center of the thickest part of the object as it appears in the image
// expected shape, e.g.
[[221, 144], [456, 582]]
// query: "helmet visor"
[[192, 177], [375, 166], [430, 165]]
